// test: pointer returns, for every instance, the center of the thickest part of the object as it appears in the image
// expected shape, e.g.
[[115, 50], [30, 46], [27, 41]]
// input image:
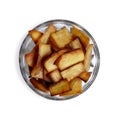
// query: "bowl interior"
[[28, 45]]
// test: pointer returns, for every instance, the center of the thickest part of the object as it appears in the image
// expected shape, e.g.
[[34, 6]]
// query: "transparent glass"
[[27, 46]]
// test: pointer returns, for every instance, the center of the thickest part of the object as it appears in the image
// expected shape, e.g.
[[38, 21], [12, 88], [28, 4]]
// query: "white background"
[[101, 18]]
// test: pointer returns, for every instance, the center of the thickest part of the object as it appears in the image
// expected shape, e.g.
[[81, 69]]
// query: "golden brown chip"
[[70, 58], [44, 50], [45, 37], [61, 38], [45, 76], [35, 35], [82, 35], [88, 55], [37, 84], [55, 75], [72, 71], [31, 57], [37, 71], [75, 44], [85, 76], [54, 48], [76, 87], [59, 87]]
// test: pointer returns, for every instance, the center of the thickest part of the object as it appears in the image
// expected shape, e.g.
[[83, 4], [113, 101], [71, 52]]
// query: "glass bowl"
[[27, 46]]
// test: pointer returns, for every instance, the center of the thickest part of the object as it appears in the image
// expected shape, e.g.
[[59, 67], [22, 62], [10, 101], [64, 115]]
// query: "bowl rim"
[[95, 47]]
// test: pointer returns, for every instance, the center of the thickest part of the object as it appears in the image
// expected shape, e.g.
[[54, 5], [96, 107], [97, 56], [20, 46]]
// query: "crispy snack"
[[45, 76], [88, 57], [31, 57], [49, 62], [44, 50], [83, 37], [45, 37], [55, 75], [35, 35], [53, 46], [37, 84], [85, 76], [61, 38], [75, 44], [59, 87], [68, 59], [76, 87], [72, 71], [76, 84], [37, 71]]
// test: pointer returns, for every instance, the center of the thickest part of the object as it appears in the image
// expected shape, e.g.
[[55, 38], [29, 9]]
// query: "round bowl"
[[27, 46]]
